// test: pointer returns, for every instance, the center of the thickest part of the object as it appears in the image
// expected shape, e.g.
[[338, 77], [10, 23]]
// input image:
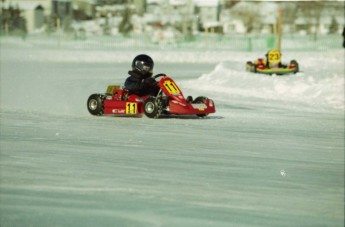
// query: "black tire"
[[200, 99], [254, 68], [249, 66], [294, 62], [95, 104], [153, 107]]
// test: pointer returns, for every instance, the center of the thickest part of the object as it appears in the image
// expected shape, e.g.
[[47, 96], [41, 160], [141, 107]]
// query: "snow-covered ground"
[[272, 155]]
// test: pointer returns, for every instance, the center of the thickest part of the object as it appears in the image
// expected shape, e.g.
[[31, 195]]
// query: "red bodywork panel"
[[191, 108], [121, 103]]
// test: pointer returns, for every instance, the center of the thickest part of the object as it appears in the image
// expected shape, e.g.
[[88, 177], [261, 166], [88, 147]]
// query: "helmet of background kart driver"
[[143, 64]]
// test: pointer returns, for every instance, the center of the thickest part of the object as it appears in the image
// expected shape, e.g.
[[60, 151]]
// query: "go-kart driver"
[[140, 81]]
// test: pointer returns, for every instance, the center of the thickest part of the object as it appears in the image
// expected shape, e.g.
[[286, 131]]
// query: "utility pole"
[[279, 28]]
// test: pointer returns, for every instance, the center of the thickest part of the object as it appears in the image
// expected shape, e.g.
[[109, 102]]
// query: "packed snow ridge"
[[303, 88]]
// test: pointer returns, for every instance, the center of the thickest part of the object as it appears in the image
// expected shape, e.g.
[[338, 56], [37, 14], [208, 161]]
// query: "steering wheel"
[[159, 75]]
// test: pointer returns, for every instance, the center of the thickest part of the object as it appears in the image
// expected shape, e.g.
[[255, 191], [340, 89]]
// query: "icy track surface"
[[272, 155]]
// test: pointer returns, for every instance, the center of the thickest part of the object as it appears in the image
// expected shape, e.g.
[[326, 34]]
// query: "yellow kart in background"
[[272, 65]]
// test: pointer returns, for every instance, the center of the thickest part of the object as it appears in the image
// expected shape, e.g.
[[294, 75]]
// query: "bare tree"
[[230, 3], [289, 14], [126, 26], [248, 13], [311, 11]]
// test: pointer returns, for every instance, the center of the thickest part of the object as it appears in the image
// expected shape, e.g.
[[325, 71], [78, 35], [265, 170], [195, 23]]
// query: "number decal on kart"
[[171, 87], [274, 56], [131, 108]]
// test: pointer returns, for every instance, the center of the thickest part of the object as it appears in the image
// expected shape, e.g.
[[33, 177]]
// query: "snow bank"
[[308, 88]]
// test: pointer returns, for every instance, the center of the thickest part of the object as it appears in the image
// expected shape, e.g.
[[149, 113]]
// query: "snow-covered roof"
[[245, 7], [326, 20], [340, 20], [22, 5], [304, 20], [178, 2], [269, 19], [154, 1], [111, 7], [91, 1], [212, 24], [114, 7], [206, 3], [268, 8], [149, 17]]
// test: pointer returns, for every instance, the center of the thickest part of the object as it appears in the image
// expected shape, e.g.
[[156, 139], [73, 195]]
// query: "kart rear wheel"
[[294, 62], [200, 99], [95, 104], [250, 66], [153, 107]]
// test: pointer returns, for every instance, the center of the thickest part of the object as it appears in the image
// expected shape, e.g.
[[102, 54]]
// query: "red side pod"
[[176, 107], [114, 107]]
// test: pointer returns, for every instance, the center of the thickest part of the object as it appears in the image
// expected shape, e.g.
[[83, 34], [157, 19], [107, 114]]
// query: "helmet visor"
[[143, 66]]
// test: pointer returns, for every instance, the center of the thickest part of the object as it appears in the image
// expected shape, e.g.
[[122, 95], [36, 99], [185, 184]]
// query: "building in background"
[[208, 13], [62, 8], [186, 17], [15, 13]]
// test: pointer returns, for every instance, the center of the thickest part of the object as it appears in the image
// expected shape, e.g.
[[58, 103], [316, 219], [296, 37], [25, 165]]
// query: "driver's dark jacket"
[[135, 84]]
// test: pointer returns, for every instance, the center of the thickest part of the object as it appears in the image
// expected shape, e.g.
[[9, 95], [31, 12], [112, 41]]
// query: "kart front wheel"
[[95, 104], [153, 107]]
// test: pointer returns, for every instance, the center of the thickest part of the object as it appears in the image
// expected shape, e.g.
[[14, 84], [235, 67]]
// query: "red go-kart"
[[169, 100]]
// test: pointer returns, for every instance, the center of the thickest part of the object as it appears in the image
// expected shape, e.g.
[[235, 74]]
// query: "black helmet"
[[143, 64]]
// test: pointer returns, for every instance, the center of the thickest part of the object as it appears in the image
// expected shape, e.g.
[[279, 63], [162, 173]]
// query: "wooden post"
[[206, 28], [275, 35], [57, 23], [6, 29], [58, 29], [279, 26]]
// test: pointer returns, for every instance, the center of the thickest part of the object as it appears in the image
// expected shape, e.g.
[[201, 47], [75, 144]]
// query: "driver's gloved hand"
[[150, 81]]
